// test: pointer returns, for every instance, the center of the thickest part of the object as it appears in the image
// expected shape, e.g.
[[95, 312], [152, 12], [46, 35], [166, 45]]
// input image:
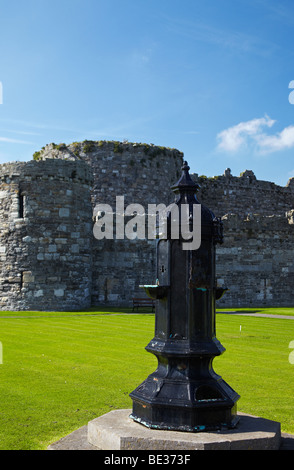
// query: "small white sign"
[[291, 355]]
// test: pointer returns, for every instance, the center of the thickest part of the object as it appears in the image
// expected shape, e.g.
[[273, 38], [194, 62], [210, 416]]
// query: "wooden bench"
[[143, 303]]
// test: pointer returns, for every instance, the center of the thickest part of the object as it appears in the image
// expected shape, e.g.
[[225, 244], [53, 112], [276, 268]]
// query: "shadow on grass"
[[92, 311]]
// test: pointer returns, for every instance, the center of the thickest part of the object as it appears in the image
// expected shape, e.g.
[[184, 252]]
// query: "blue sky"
[[210, 78]]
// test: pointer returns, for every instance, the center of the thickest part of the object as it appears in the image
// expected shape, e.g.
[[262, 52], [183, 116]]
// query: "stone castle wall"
[[49, 259], [244, 194], [45, 236], [256, 260], [143, 174]]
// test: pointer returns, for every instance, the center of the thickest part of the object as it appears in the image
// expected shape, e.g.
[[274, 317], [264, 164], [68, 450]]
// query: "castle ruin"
[[50, 260]]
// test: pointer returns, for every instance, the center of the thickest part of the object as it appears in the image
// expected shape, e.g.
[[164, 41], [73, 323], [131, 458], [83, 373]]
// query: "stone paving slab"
[[261, 315], [77, 440]]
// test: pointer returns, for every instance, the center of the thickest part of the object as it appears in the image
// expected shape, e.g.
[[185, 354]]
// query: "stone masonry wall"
[[256, 260], [143, 174], [244, 194], [45, 236], [49, 259]]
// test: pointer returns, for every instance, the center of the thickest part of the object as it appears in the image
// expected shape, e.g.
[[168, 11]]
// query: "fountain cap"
[[185, 182]]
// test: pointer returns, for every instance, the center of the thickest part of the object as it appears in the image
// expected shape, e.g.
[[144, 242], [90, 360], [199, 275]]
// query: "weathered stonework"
[[245, 194], [256, 260], [45, 236], [143, 174], [50, 260]]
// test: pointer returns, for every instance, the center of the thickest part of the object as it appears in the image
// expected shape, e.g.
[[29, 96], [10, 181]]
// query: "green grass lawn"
[[60, 370]]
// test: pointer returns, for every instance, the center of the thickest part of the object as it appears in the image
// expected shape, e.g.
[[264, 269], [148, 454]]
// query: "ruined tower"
[[142, 174], [45, 236]]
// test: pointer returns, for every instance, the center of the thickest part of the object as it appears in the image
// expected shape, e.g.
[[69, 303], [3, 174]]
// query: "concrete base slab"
[[116, 431], [77, 440]]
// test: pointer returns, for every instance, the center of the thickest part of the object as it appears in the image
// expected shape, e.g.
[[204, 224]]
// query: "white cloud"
[[280, 141], [252, 132]]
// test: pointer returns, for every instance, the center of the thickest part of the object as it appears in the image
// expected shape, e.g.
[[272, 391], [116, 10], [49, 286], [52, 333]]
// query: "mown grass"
[[256, 364], [58, 372], [62, 369]]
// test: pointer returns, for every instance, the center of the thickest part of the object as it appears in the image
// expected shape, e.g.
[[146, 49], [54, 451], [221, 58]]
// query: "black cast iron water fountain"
[[184, 393]]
